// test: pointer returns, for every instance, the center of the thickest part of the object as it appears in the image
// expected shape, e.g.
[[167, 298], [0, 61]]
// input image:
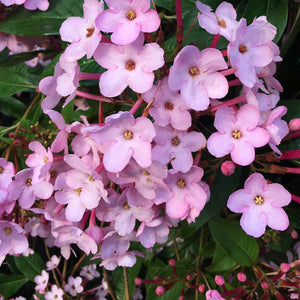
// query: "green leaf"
[[229, 236], [221, 261], [11, 83], [10, 284], [68, 111], [12, 107], [35, 23], [221, 188], [31, 265]]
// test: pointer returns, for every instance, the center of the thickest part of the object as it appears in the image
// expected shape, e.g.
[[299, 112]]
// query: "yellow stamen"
[[90, 32], [236, 134], [175, 141], [131, 15], [181, 183], [243, 49], [130, 65], [193, 71], [259, 200], [128, 135]]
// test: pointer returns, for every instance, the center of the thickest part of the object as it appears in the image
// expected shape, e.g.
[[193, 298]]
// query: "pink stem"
[[290, 154], [87, 76], [229, 103], [229, 71], [58, 158], [99, 168], [234, 82], [292, 135], [215, 41], [224, 52], [296, 198], [93, 97], [136, 106], [84, 220], [188, 33], [179, 33], [93, 217]]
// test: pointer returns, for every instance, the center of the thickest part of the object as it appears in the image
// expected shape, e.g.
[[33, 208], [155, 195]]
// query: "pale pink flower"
[[82, 33], [12, 239], [34, 4], [222, 22], [41, 282], [63, 83], [131, 65], [89, 272], [55, 294], [176, 147], [11, 2], [213, 295], [74, 287], [188, 197], [260, 203], [195, 74], [251, 48], [53, 263], [126, 19], [167, 107], [238, 134], [125, 137]]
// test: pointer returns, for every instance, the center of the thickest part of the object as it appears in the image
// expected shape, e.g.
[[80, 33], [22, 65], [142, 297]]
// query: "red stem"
[[136, 106], [229, 71], [215, 41], [229, 103], [290, 154], [296, 198], [87, 76], [93, 97]]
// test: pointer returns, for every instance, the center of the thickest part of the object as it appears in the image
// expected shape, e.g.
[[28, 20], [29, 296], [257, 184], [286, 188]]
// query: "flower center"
[[175, 141], [145, 172], [181, 183], [1, 170], [78, 191], [130, 65], [7, 230], [128, 135], [90, 32], [91, 178], [243, 49], [236, 134], [46, 159], [259, 200], [169, 106], [126, 206], [131, 15], [53, 174], [194, 71], [222, 23], [55, 296], [28, 182]]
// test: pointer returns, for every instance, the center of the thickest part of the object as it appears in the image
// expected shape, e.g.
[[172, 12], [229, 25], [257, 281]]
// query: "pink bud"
[[172, 262], [138, 281], [241, 277], [294, 124], [219, 280], [264, 285], [227, 168], [181, 298], [294, 234], [201, 288], [160, 290], [284, 267], [189, 277]]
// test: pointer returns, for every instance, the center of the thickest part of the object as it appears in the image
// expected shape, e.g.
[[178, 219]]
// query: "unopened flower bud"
[[181, 298], [172, 262], [227, 168], [189, 277], [294, 124], [264, 285], [219, 280], [284, 267], [160, 290], [241, 276], [201, 288], [138, 281]]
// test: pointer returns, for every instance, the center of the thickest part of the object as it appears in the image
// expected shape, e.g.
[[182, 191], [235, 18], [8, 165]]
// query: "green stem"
[[127, 294], [176, 249]]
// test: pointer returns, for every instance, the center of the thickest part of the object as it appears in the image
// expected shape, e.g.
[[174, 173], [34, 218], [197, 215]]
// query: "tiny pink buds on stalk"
[[294, 124], [241, 277], [219, 280], [160, 290], [201, 288], [264, 285], [227, 168]]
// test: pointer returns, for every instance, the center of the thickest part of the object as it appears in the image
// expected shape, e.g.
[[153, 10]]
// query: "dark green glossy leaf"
[[11, 83], [10, 284], [34, 23], [12, 107], [68, 112], [221, 261], [31, 265], [229, 236]]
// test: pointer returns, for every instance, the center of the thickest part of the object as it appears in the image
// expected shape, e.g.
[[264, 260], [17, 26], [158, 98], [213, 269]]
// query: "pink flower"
[[176, 147], [131, 65], [64, 83], [89, 272], [195, 74], [168, 107], [55, 294], [34, 4], [12, 239], [213, 295], [74, 287], [251, 48], [126, 19], [125, 137], [188, 196], [41, 282], [53, 263], [82, 33], [260, 203], [238, 134], [222, 22]]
